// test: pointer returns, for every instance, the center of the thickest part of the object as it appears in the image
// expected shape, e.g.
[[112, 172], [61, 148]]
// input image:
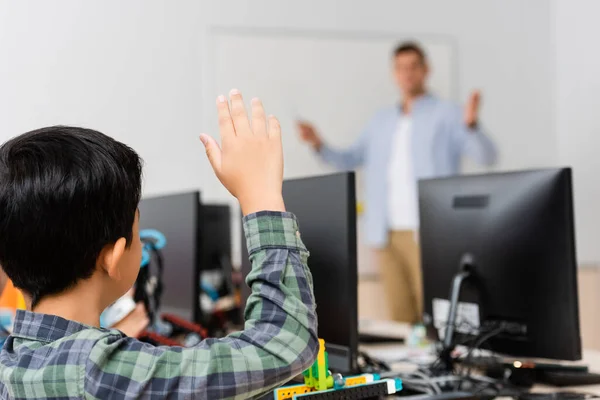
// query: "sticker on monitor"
[[467, 317]]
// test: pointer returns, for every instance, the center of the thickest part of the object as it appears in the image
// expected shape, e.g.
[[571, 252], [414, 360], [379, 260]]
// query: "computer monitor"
[[326, 210], [215, 244], [216, 236], [177, 217], [511, 236]]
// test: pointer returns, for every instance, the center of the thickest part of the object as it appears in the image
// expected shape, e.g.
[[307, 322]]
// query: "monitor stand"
[[465, 271]]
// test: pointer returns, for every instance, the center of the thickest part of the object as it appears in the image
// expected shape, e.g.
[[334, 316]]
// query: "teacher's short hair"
[[410, 47]]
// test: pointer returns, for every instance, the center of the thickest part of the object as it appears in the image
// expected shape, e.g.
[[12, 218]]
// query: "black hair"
[[410, 47], [65, 193]]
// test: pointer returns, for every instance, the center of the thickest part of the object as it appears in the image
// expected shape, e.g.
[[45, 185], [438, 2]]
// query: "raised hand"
[[472, 109], [249, 162], [309, 135]]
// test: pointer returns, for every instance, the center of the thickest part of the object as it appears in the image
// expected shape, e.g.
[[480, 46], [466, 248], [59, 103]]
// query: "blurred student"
[[420, 137]]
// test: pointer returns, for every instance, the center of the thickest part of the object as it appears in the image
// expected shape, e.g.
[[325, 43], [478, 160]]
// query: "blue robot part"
[[152, 239]]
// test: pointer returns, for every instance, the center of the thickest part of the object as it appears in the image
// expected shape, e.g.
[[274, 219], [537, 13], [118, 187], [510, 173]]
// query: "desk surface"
[[591, 358]]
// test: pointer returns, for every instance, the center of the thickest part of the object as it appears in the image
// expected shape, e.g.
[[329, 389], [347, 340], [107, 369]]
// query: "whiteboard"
[[336, 80]]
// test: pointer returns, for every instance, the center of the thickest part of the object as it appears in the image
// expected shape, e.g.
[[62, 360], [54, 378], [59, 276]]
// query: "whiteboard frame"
[[214, 30]]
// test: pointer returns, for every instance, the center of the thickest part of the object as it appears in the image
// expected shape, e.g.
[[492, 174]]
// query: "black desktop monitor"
[[215, 244], [177, 217], [511, 236], [216, 237], [326, 210]]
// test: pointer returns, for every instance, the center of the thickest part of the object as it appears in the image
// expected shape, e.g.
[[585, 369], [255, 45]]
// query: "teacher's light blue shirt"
[[439, 140]]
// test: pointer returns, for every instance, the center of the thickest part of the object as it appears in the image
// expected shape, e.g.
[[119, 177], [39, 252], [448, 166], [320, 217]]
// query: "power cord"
[[436, 379], [480, 341], [368, 364]]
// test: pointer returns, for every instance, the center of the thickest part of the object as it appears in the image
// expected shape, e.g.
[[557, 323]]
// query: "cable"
[[371, 364], [436, 379], [422, 381], [439, 366], [442, 379], [484, 338]]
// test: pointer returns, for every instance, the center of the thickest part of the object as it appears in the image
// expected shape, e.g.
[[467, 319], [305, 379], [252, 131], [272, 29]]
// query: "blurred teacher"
[[422, 137]]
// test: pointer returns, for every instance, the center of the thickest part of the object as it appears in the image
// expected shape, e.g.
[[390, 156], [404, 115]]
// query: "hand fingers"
[[475, 101], [259, 120], [302, 129], [225, 122], [306, 130], [303, 126], [213, 152], [274, 128], [238, 114]]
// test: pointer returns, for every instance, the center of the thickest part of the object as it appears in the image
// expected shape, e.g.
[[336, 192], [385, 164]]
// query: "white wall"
[[136, 69], [130, 69], [577, 120]]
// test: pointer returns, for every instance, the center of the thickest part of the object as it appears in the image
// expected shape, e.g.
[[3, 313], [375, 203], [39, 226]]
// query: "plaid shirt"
[[48, 357]]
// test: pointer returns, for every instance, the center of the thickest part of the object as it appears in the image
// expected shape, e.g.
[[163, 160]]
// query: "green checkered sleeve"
[[278, 342], [273, 241]]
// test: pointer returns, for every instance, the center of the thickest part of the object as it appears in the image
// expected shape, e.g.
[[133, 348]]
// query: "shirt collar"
[[44, 327], [425, 97]]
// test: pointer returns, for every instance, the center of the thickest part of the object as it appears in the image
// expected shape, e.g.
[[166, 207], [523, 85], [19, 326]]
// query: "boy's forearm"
[[280, 273], [280, 339], [281, 308]]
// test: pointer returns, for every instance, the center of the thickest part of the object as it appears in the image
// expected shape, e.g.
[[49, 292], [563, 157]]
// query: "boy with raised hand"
[[69, 240]]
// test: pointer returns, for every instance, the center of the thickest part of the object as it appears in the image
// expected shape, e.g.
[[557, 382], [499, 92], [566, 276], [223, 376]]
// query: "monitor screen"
[[176, 216]]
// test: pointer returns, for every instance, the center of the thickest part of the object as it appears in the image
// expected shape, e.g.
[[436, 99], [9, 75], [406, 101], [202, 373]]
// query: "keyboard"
[[567, 378]]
